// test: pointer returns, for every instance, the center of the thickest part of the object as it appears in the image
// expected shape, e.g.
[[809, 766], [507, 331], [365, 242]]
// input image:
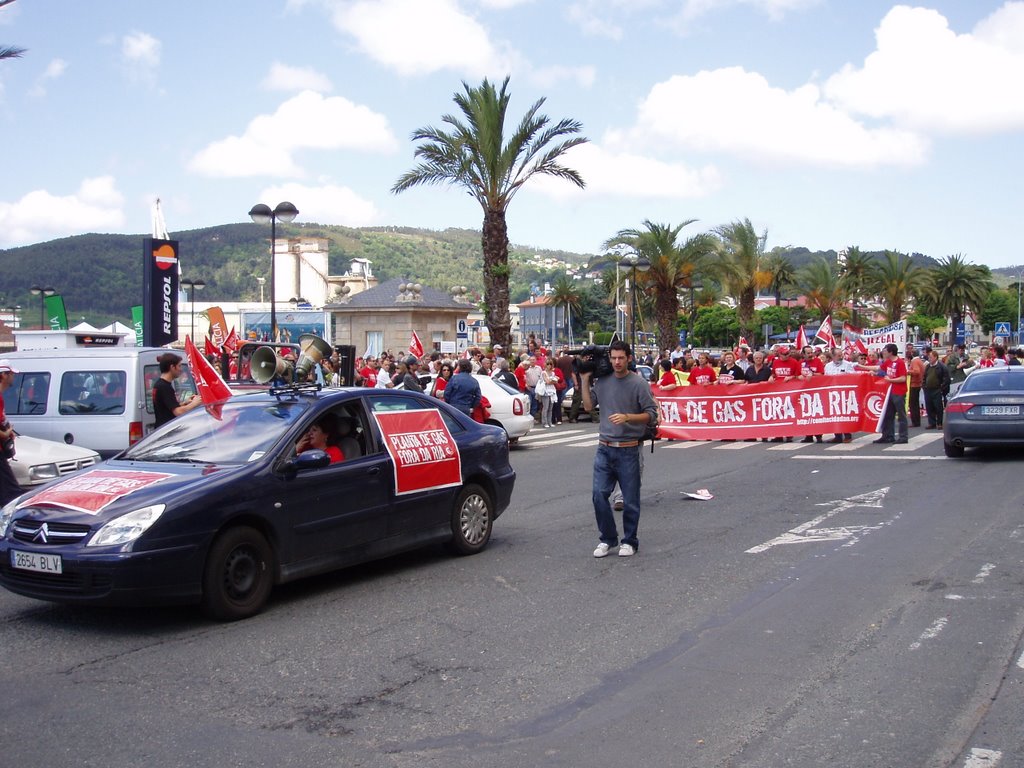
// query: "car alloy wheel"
[[472, 519]]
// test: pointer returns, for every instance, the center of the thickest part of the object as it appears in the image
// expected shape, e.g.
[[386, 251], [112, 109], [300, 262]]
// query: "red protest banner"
[[846, 403], [422, 449], [91, 491]]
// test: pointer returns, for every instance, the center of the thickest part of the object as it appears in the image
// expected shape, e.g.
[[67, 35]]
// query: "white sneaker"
[[602, 550], [625, 550]]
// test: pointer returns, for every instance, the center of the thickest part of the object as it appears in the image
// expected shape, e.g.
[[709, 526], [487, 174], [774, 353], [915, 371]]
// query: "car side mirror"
[[311, 459]]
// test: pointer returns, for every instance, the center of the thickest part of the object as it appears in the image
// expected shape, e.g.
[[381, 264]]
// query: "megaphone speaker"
[[314, 349], [266, 365]]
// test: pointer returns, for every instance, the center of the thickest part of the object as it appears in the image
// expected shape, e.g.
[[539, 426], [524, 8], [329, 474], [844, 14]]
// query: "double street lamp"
[[192, 286], [638, 263], [42, 293], [262, 214]]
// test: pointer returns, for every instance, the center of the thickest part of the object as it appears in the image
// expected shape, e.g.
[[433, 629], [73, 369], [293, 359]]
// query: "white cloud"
[[418, 37], [503, 4], [585, 16], [737, 112], [630, 175], [306, 121], [283, 77], [326, 204], [549, 77], [53, 71], [140, 55], [95, 207], [774, 9], [925, 76]]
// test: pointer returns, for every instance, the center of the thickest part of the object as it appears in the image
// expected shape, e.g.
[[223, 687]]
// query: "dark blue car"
[[216, 508]]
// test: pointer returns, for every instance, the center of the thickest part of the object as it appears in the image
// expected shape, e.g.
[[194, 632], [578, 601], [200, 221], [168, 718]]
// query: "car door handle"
[[373, 471]]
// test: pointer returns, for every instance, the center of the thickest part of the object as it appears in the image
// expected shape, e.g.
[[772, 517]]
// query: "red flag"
[[415, 345], [211, 386], [743, 342], [208, 347], [825, 332], [801, 338], [231, 342]]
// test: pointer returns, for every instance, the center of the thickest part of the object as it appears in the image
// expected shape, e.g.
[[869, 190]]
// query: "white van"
[[99, 398]]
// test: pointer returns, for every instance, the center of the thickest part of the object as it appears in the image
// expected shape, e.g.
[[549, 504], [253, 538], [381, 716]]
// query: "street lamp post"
[[1020, 337], [192, 286], [262, 214], [42, 293], [637, 262]]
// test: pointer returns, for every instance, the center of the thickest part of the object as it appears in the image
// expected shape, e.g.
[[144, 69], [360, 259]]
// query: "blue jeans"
[[896, 409], [620, 465]]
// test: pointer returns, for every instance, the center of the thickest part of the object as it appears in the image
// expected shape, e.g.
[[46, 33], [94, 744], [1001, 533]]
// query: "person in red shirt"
[[894, 369], [784, 367], [703, 372], [811, 366], [668, 379], [323, 434], [369, 372]]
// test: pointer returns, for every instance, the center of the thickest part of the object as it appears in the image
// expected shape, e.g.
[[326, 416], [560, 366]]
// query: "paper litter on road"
[[701, 495]]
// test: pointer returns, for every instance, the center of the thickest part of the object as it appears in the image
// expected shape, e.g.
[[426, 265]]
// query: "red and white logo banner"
[[823, 404], [422, 449], [91, 491]]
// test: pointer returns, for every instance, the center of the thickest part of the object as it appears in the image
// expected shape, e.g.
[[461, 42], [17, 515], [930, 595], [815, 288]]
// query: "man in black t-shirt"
[[165, 402]]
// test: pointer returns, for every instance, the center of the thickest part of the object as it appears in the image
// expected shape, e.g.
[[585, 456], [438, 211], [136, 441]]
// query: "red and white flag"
[[212, 389], [415, 345], [231, 342], [743, 342], [801, 338], [209, 348], [825, 332]]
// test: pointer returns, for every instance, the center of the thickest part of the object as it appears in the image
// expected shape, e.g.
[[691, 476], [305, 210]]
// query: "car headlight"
[[41, 473], [6, 515], [127, 528]]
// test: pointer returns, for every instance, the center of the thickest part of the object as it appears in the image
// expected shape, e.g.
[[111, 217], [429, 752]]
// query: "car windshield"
[[243, 432], [1003, 380]]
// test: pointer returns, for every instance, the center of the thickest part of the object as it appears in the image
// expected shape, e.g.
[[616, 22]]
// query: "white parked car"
[[510, 408], [38, 461]]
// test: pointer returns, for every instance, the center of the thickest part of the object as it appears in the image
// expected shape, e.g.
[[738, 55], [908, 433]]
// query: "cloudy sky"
[[828, 123]]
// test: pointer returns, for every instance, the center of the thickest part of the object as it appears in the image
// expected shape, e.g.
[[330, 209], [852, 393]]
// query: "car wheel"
[[953, 451], [472, 519], [238, 575]]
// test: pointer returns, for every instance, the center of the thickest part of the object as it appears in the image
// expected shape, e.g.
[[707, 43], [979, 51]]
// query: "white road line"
[[983, 574], [931, 633], [873, 458], [858, 443], [794, 446], [538, 435], [983, 758], [809, 531], [676, 444], [733, 446], [917, 441], [1020, 661]]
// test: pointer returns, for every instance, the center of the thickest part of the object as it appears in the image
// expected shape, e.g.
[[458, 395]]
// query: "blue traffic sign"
[[1002, 329]]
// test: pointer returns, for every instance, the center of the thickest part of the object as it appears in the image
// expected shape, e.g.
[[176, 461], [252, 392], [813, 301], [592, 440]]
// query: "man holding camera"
[[627, 408], [9, 488]]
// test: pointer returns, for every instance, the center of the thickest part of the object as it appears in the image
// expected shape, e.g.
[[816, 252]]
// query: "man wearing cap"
[[409, 380], [9, 488], [499, 355]]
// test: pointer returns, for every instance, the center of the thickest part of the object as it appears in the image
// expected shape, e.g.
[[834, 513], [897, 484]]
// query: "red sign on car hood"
[[92, 491]]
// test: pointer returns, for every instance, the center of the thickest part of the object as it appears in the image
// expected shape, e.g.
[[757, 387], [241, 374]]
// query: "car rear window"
[[994, 381], [27, 394], [99, 393]]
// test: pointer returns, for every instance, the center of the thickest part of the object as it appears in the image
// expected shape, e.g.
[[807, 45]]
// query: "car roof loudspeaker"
[[314, 349], [266, 365]]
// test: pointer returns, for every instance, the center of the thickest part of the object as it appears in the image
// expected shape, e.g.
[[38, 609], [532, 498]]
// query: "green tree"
[[1000, 307], [822, 286], [9, 51], [476, 154], [956, 287], [716, 326], [565, 295], [856, 276], [741, 270], [896, 280], [783, 274], [674, 266]]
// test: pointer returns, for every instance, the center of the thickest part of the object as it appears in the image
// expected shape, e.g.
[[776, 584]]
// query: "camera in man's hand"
[[592, 359]]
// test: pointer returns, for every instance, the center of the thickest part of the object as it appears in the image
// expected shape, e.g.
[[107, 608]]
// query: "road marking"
[[983, 758], [675, 444], [931, 633], [809, 531], [790, 446], [872, 458], [733, 446], [534, 437], [857, 443], [1020, 661], [917, 441], [986, 569], [562, 439]]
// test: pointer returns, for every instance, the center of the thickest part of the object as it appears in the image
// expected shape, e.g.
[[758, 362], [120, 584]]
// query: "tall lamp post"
[[192, 286], [637, 262], [1020, 336], [42, 293], [262, 214]]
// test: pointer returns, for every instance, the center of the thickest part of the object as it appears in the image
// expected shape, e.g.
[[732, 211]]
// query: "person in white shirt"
[[834, 367]]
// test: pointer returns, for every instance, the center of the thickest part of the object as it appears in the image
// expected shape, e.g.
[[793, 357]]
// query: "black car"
[[988, 409], [218, 506]]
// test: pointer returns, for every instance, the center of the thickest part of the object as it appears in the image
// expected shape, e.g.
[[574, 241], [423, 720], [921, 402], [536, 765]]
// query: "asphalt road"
[[853, 605]]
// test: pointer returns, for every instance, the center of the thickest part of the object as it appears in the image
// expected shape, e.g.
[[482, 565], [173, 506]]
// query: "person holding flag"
[[165, 401], [415, 346], [825, 332]]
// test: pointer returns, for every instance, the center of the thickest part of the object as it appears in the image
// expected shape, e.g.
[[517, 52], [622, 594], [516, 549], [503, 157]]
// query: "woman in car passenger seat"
[[322, 435]]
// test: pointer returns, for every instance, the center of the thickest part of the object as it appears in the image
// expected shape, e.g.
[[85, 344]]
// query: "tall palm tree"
[[477, 155], [896, 280], [564, 294], [856, 277], [741, 268], [783, 275], [823, 287], [955, 287], [674, 266], [9, 51]]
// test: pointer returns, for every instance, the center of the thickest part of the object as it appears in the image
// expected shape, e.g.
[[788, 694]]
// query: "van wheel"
[[238, 575], [472, 519]]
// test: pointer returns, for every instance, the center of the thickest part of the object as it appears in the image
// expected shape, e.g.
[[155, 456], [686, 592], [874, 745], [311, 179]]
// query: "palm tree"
[[674, 266], [822, 286], [856, 276], [477, 155], [742, 269], [896, 280], [9, 51], [564, 294], [783, 275], [956, 287]]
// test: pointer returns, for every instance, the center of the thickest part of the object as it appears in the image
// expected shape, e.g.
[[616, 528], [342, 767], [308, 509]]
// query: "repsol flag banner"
[[159, 292], [421, 448], [816, 406], [874, 339]]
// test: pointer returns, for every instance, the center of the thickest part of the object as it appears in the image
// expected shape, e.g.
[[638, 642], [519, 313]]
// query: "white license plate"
[[1001, 410], [33, 561]]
